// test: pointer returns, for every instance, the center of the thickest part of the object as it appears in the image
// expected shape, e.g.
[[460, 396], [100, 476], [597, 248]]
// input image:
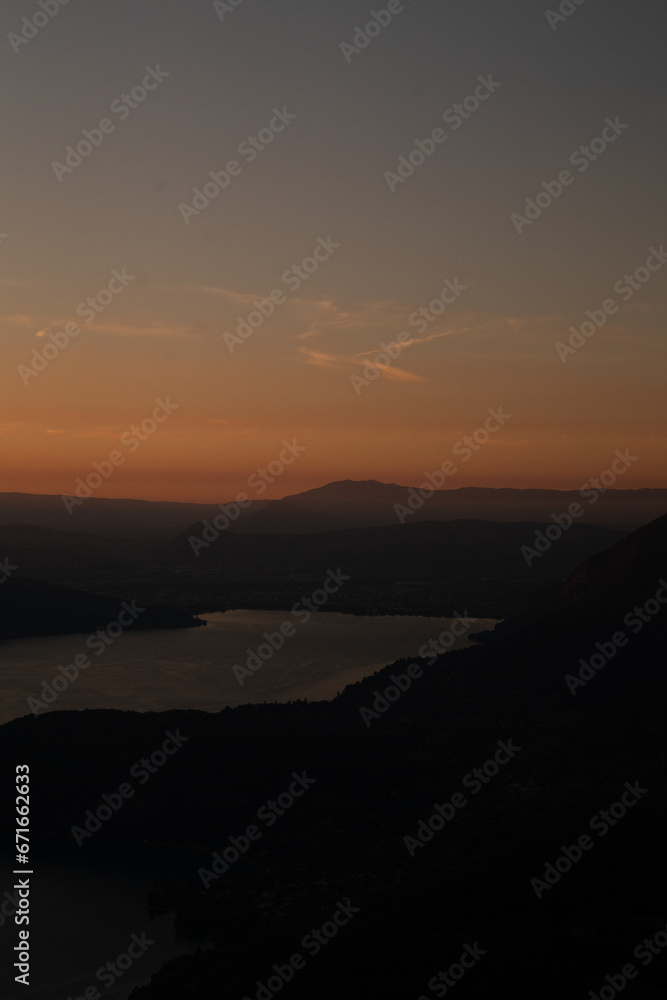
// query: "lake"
[[85, 917], [81, 918], [155, 671]]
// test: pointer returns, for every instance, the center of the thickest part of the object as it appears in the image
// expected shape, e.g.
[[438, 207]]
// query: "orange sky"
[[317, 193]]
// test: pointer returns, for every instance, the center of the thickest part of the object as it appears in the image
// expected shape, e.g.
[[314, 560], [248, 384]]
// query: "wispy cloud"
[[378, 312], [150, 328], [139, 326], [343, 362], [223, 293]]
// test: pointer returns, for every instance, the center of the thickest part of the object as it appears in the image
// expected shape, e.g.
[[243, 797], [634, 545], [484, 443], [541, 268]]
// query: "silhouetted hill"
[[605, 588], [618, 575], [480, 876], [423, 551], [336, 506], [428, 567], [64, 556], [98, 515], [350, 504], [431, 568], [32, 607]]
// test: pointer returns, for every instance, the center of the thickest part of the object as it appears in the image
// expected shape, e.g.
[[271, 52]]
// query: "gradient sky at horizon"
[[323, 176]]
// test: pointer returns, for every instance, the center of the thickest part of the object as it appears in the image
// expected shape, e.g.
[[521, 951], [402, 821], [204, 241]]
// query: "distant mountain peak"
[[354, 488]]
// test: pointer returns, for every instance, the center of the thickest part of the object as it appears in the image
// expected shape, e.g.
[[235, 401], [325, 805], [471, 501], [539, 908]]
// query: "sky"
[[351, 194]]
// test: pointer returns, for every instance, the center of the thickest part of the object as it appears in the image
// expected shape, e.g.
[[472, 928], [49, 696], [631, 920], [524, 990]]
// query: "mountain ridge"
[[336, 505]]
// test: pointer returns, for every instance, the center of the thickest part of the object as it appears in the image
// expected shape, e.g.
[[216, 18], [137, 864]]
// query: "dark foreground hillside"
[[429, 568], [576, 780], [31, 607]]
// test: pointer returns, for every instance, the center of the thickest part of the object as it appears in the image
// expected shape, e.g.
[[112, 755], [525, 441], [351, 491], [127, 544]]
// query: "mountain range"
[[333, 507], [490, 551], [502, 873]]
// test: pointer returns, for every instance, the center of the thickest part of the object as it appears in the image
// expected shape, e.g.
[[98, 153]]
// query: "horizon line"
[[335, 482]]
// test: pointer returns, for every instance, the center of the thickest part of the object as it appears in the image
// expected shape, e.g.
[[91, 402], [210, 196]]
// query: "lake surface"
[[81, 918], [156, 671]]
